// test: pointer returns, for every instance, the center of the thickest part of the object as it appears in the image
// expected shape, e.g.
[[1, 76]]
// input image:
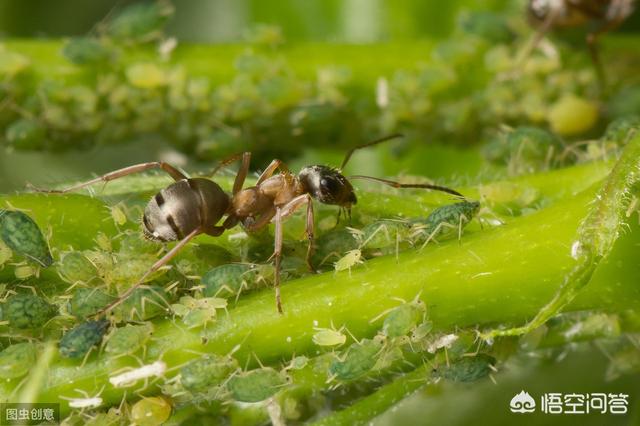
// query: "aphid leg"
[[277, 253], [271, 169], [435, 232], [289, 208], [160, 263], [117, 174], [395, 184]]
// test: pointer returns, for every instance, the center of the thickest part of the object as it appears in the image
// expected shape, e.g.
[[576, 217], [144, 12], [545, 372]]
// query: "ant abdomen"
[[183, 207]]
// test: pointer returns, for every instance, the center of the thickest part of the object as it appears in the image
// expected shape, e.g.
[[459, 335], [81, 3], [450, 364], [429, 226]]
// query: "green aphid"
[[467, 369], [24, 237], [384, 233], [129, 268], [25, 134], [143, 304], [75, 267], [128, 339], [5, 253], [17, 360], [79, 340], [88, 301], [202, 374], [28, 311], [359, 359], [85, 51], [231, 279], [134, 243], [141, 21], [404, 318], [256, 385], [419, 333], [446, 220]]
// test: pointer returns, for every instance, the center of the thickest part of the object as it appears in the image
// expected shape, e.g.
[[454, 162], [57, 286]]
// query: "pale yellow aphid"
[[329, 337], [103, 242], [23, 272], [349, 260], [118, 215]]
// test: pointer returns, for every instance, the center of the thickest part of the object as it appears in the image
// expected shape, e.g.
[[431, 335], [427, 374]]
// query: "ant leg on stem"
[[176, 174]]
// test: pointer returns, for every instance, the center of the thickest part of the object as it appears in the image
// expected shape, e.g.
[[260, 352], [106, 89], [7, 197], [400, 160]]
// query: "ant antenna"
[[410, 185], [375, 142]]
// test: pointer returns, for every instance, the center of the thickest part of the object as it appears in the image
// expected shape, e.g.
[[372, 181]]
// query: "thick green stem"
[[596, 236], [491, 276]]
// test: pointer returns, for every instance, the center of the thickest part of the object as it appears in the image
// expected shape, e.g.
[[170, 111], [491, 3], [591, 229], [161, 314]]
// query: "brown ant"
[[193, 206], [547, 15]]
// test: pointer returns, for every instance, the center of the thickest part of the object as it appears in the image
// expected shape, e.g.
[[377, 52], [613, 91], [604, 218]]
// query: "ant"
[[193, 206], [547, 15]]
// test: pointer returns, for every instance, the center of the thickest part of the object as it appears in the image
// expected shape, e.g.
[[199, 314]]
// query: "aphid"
[[445, 220], [24, 237], [151, 411], [256, 385], [17, 360], [194, 206], [549, 15], [329, 337], [198, 312], [467, 369], [5, 253], [420, 332], [383, 233], [404, 318], [128, 339], [78, 341], [118, 214], [27, 311], [349, 260], [143, 304], [232, 279], [87, 301], [75, 267], [298, 363], [358, 359], [202, 374], [23, 272]]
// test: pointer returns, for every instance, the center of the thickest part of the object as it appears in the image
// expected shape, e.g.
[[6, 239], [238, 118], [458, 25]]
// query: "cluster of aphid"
[[123, 99], [265, 101]]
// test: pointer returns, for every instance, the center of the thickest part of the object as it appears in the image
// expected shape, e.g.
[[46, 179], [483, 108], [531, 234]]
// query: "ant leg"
[[290, 208], [137, 168], [262, 221], [159, 264], [277, 253], [242, 173], [270, 170], [395, 184]]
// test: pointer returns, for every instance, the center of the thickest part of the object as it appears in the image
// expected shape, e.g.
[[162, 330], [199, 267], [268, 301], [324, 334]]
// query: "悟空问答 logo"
[[522, 403]]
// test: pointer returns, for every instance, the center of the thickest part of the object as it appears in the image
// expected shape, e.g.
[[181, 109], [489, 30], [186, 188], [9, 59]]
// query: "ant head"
[[327, 185]]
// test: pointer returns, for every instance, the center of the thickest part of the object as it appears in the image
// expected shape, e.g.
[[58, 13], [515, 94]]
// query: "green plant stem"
[[493, 276], [596, 236]]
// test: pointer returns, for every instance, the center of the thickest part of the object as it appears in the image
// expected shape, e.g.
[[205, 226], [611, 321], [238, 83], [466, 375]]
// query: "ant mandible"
[[193, 206]]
